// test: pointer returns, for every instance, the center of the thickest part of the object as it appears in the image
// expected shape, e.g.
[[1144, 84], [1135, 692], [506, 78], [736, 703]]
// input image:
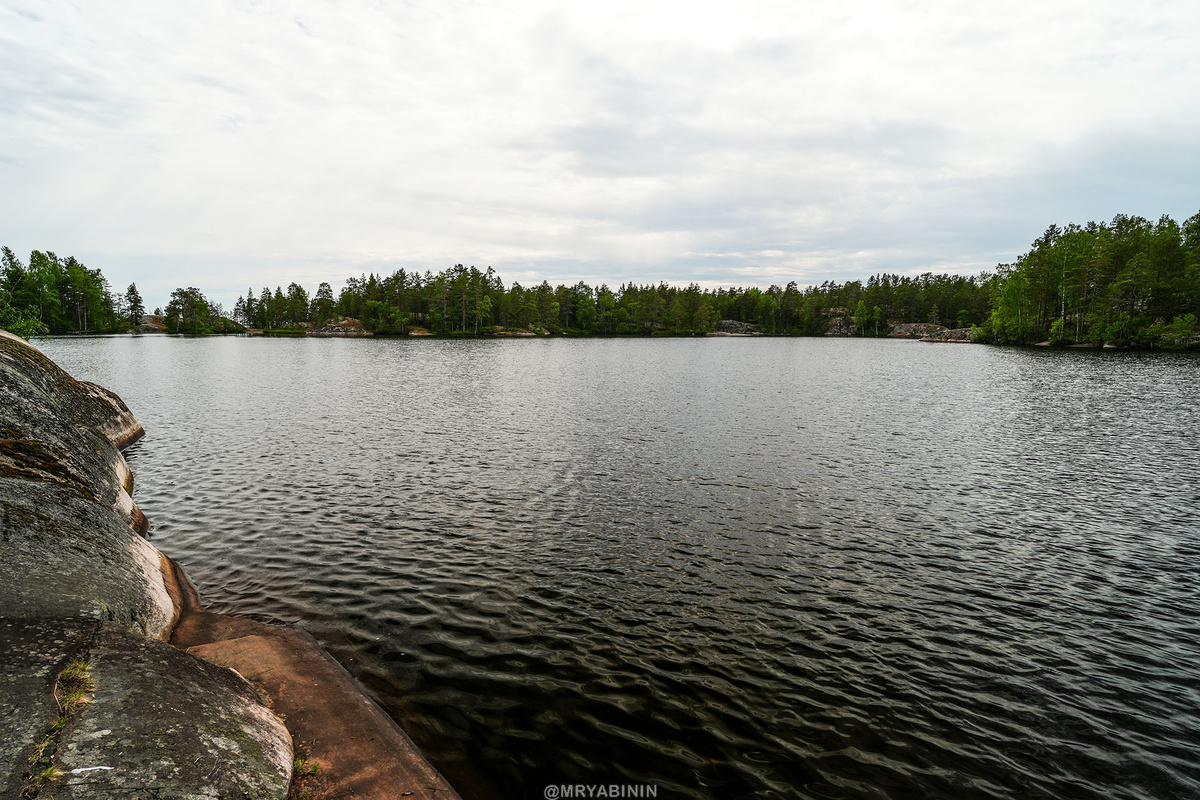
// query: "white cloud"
[[224, 143]]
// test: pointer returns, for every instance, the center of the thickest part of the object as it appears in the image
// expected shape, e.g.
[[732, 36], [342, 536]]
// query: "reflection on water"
[[727, 567]]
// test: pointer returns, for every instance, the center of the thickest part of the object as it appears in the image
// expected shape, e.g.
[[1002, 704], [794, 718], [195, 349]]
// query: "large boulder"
[[70, 530], [57, 430], [83, 402], [162, 718], [343, 326], [956, 335], [153, 323]]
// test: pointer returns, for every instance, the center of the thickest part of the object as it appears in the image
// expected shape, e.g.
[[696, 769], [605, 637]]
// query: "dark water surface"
[[726, 567]]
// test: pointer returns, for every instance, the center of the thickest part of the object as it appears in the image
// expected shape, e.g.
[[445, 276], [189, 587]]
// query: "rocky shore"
[[925, 331], [115, 683], [930, 332], [730, 327]]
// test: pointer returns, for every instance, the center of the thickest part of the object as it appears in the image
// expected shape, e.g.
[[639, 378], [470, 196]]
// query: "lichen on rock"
[[77, 579], [167, 720]]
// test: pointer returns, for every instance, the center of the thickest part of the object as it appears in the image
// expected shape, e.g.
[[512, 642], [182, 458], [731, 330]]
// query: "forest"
[[468, 301], [57, 295], [1129, 282], [1126, 283]]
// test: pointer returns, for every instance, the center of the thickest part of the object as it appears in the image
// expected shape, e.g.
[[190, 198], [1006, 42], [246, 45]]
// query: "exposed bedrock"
[[157, 722], [732, 327], [65, 555], [93, 704], [930, 332], [57, 430]]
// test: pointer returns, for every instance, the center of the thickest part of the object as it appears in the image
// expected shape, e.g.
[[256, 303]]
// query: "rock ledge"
[[83, 593]]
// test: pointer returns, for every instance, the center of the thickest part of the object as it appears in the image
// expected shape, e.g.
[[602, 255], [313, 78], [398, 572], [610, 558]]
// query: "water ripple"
[[730, 568]]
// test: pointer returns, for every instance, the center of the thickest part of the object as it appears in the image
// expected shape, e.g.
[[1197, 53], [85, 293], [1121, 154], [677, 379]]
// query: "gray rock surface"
[[64, 555], [170, 726], [959, 335], [69, 529], [159, 724], [916, 330], [732, 327], [85, 403], [153, 323], [55, 429], [34, 653], [77, 580]]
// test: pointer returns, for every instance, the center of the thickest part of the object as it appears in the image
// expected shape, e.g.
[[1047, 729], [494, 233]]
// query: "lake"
[[724, 567]]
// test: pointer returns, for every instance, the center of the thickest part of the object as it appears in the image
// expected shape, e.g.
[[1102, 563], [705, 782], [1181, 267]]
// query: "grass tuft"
[[39, 750], [74, 688], [38, 781]]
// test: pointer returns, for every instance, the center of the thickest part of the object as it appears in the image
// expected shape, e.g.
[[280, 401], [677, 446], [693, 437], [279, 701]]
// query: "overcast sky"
[[234, 144]]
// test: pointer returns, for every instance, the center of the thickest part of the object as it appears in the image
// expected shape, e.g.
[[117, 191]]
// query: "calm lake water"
[[725, 567]]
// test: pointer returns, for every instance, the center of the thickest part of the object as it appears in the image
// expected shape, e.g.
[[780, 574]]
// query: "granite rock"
[[79, 584]]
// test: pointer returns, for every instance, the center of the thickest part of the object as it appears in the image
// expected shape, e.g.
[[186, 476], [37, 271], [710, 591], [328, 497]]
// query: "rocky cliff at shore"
[[929, 332], [93, 702], [114, 682], [925, 331], [731, 327]]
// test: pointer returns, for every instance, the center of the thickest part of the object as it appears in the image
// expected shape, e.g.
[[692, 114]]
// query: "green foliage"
[[54, 295], [1183, 331], [862, 318], [188, 312], [1058, 336], [226, 325], [134, 309], [1129, 283], [467, 301], [191, 312], [23, 323]]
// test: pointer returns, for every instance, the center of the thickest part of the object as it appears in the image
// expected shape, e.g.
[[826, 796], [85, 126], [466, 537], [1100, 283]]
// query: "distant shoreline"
[[525, 335]]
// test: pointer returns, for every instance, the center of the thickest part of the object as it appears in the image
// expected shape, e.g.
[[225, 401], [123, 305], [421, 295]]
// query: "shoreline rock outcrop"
[[153, 323], [914, 330], [951, 335], [731, 327], [344, 327], [115, 682], [94, 702], [71, 531]]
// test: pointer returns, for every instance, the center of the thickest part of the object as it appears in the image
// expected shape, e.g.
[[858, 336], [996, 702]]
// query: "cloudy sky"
[[229, 144]]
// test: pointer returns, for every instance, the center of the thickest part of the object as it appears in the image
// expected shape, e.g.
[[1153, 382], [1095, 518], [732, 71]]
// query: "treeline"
[[468, 301], [189, 311], [1130, 282], [60, 295]]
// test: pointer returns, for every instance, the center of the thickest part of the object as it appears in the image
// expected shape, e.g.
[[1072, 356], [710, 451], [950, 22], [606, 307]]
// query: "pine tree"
[[133, 305]]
